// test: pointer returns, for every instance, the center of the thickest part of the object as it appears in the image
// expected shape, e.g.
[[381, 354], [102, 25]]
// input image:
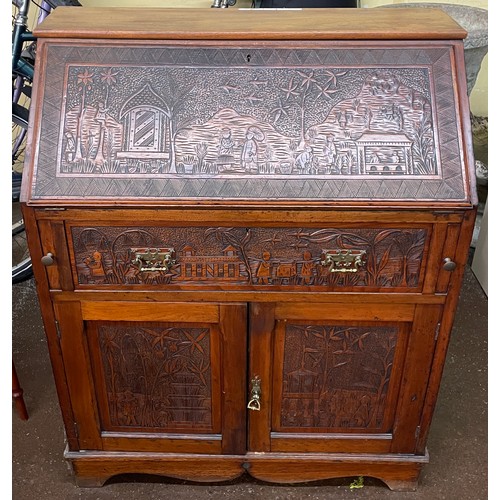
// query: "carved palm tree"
[[84, 83]]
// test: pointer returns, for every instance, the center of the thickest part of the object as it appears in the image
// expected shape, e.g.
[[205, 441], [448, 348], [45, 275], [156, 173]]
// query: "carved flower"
[[108, 77], [85, 78]]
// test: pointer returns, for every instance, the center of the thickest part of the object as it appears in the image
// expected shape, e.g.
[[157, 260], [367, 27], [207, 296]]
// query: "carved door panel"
[[156, 377], [339, 377]]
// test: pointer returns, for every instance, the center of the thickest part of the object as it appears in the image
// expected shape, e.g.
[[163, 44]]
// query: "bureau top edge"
[[251, 24]]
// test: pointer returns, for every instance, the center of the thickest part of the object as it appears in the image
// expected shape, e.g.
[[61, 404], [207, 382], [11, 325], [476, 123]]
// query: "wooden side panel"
[[443, 338], [416, 373], [78, 374], [48, 246], [449, 251], [434, 261], [49, 322]]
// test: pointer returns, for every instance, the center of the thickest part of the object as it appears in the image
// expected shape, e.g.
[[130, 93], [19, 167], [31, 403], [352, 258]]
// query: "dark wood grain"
[[79, 375], [233, 24], [307, 172], [233, 358]]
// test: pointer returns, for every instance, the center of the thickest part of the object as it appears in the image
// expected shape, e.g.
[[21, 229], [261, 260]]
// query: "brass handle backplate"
[[255, 393], [342, 260], [153, 259]]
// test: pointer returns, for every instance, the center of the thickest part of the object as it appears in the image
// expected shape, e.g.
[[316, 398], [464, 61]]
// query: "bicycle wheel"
[[19, 131], [21, 261], [22, 268]]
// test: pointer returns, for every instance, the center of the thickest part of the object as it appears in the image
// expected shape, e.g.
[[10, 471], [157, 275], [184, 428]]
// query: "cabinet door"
[[156, 376], [339, 377]]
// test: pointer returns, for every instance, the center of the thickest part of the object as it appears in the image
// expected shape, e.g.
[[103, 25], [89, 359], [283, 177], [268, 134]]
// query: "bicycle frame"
[[20, 35]]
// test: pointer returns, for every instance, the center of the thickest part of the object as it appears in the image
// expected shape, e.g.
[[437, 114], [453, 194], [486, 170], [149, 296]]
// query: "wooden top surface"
[[250, 24]]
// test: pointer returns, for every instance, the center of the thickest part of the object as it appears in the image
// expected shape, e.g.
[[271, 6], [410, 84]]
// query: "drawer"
[[249, 258]]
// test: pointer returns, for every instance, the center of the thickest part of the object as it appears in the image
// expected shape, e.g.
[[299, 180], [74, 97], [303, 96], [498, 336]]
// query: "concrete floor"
[[457, 442]]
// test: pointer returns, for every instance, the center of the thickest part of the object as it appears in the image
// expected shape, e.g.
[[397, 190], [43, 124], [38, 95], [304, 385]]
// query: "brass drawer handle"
[[154, 259], [343, 261], [254, 403]]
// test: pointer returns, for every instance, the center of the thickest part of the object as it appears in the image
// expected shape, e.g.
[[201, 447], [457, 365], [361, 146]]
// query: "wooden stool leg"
[[17, 395]]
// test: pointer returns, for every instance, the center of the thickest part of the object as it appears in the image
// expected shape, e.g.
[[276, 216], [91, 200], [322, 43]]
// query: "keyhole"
[[248, 57]]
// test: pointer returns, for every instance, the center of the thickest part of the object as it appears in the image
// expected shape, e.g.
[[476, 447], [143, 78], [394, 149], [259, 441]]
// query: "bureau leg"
[[17, 395], [401, 484]]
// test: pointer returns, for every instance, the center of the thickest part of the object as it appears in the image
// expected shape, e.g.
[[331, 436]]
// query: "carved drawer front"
[[238, 258]]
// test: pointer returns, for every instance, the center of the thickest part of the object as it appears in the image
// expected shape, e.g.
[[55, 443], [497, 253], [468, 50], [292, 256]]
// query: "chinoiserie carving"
[[231, 256], [156, 376], [268, 121], [336, 376], [223, 128]]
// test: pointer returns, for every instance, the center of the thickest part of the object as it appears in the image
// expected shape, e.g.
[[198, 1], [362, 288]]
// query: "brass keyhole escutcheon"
[[255, 393]]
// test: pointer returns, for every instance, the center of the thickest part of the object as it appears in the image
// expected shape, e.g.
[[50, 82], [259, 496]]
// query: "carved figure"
[[70, 147], [226, 145], [306, 272], [303, 162], [264, 270], [226, 149], [250, 148], [94, 263], [330, 151]]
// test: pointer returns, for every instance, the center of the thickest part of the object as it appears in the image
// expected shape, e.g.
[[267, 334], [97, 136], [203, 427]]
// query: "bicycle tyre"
[[20, 118], [22, 268]]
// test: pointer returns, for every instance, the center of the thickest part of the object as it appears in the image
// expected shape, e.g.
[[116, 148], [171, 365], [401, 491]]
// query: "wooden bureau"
[[249, 230]]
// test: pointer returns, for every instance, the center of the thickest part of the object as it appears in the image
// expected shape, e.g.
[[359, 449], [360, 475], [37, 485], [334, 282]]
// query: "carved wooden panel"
[[154, 376], [336, 377], [370, 122], [392, 258]]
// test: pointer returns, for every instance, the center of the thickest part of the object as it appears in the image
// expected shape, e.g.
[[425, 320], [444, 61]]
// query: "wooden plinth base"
[[399, 472]]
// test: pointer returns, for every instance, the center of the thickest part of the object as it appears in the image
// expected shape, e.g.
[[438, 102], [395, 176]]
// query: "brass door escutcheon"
[[255, 393], [343, 261], [154, 259]]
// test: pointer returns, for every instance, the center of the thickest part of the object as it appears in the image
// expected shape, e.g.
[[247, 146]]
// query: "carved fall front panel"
[[336, 377], [154, 376], [391, 258], [260, 122]]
